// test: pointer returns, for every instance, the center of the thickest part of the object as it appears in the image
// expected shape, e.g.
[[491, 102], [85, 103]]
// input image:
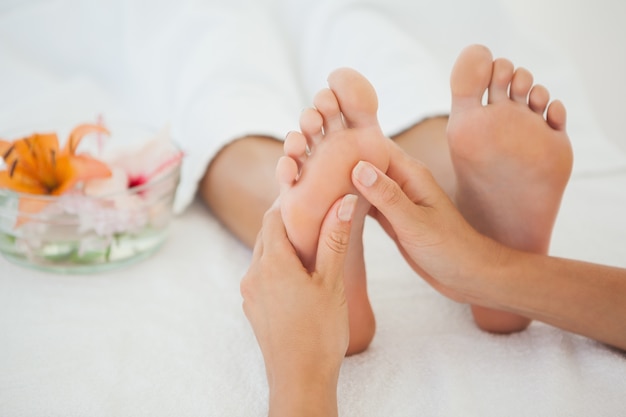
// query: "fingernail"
[[365, 174], [346, 208]]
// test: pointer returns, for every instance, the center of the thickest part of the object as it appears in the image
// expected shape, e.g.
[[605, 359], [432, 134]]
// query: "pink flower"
[[136, 167]]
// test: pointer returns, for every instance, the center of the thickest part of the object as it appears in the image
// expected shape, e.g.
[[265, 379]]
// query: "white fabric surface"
[[168, 336]]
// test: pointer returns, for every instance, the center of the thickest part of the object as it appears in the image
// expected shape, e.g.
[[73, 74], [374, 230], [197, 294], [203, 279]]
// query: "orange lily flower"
[[36, 165]]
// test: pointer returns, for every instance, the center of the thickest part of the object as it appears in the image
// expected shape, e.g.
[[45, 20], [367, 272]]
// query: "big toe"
[[471, 75], [356, 96]]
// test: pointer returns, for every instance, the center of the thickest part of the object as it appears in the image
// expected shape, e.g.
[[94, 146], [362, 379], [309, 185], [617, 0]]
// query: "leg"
[[239, 185], [428, 142], [342, 130], [512, 164]]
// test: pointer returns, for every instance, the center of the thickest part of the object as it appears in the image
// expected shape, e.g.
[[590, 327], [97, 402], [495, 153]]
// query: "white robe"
[[212, 71]]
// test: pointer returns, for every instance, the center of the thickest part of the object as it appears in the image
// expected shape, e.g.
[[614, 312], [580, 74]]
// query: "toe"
[[556, 115], [286, 173], [521, 85], [500, 79], [538, 99], [326, 103], [311, 122], [471, 76], [295, 147], [356, 97]]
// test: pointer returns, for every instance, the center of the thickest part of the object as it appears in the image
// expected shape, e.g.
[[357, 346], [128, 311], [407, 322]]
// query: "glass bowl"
[[75, 233]]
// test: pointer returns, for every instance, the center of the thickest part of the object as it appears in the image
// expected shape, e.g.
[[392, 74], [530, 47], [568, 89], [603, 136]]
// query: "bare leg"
[[428, 142], [512, 163], [240, 184], [340, 131]]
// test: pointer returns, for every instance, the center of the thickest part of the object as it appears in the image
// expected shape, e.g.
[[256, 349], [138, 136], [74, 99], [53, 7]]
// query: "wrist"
[[499, 278], [482, 272], [310, 391]]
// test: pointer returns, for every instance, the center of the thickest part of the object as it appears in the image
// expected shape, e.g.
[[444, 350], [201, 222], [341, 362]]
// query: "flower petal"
[[35, 155], [78, 133], [43, 149], [146, 162], [21, 182], [75, 168], [21, 152], [44, 145], [115, 184], [4, 147], [87, 168]]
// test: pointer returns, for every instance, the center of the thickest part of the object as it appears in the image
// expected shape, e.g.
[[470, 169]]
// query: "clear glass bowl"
[[74, 233]]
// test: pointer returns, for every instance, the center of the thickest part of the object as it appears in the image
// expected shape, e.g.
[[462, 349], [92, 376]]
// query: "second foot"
[[512, 159]]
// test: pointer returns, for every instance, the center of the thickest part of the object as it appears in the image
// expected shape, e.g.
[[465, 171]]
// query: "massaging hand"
[[576, 296], [430, 232], [300, 319]]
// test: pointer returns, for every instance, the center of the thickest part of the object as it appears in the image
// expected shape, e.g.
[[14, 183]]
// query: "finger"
[[384, 223], [277, 249], [245, 285], [257, 250], [385, 194], [273, 233], [335, 239]]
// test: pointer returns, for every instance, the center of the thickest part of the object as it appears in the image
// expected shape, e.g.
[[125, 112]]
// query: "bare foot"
[[512, 159], [342, 130]]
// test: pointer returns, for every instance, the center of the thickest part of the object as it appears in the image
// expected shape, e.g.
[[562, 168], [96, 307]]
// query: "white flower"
[[133, 170], [140, 165]]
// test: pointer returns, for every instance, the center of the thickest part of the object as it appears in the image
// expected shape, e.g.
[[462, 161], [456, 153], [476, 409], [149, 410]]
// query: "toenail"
[[365, 174]]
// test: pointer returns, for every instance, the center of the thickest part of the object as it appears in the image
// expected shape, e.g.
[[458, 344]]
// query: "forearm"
[[581, 297]]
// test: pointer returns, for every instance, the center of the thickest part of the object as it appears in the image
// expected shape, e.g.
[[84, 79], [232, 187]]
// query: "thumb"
[[335, 239]]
